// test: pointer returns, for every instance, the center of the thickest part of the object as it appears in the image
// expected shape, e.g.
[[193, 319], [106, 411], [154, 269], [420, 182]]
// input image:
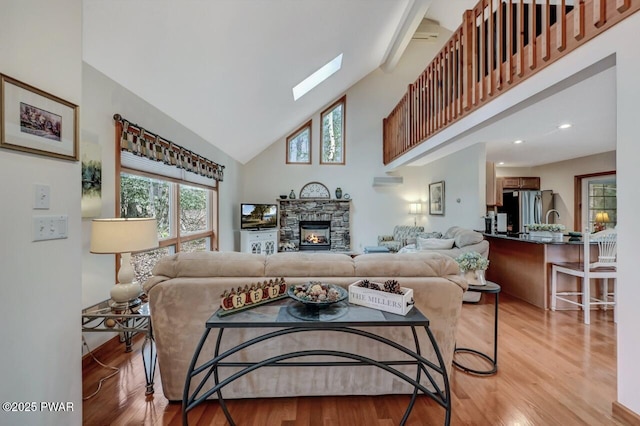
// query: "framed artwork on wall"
[[299, 145], [37, 122], [332, 131], [436, 198]]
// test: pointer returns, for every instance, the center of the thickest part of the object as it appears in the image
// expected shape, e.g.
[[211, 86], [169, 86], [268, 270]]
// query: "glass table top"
[[290, 313]]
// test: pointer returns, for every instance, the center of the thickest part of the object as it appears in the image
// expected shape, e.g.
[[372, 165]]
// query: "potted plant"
[[546, 231], [472, 265]]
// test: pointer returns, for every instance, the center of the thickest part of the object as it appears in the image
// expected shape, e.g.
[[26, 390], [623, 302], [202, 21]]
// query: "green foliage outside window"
[[332, 135], [145, 197]]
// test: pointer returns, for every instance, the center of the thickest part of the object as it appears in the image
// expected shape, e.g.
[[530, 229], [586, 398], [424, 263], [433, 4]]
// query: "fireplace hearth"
[[315, 235]]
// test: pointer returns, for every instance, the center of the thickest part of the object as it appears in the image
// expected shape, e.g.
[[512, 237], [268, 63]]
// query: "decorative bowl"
[[332, 292], [283, 197]]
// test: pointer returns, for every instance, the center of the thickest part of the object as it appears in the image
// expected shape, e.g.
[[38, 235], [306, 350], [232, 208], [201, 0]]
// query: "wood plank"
[[551, 370], [482, 65], [622, 5]]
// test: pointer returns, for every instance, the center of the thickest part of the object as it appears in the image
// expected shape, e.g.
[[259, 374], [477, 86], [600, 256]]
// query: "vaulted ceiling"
[[225, 69]]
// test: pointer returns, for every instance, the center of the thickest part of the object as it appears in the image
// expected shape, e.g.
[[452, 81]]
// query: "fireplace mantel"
[[292, 211]]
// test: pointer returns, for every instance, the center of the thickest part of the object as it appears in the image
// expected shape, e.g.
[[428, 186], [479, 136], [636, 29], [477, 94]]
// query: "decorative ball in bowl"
[[316, 293]]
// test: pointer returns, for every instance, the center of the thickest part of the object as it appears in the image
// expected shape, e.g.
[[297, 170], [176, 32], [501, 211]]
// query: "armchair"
[[400, 238]]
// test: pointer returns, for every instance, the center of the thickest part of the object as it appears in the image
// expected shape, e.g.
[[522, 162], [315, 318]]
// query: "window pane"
[[194, 209], [332, 134], [144, 262], [145, 197], [201, 244]]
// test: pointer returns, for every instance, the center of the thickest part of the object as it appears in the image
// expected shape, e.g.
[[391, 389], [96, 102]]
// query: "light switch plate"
[[50, 227], [42, 196]]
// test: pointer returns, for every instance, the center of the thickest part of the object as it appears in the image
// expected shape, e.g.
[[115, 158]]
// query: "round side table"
[[489, 288]]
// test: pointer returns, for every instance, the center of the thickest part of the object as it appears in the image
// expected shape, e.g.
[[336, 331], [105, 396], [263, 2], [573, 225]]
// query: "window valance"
[[140, 142]]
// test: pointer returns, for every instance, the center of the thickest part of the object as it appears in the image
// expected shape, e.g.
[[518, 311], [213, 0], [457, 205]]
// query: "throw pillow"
[[452, 232], [435, 243], [466, 237], [430, 235]]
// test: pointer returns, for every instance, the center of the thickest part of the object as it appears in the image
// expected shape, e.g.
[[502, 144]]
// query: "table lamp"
[[415, 209], [123, 236], [601, 219]]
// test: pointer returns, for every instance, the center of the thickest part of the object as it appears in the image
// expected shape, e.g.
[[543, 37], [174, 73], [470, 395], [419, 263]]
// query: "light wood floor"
[[553, 370]]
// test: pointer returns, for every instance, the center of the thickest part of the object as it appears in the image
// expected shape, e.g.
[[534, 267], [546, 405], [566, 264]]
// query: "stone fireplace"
[[314, 224]]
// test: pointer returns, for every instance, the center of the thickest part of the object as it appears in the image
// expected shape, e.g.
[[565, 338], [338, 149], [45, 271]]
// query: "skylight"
[[317, 77]]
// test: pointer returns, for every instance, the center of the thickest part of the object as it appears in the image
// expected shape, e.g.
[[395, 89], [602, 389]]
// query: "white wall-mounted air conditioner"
[[387, 180]]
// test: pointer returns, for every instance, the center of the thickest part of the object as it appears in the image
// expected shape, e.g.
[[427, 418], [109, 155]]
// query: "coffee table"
[[287, 316]]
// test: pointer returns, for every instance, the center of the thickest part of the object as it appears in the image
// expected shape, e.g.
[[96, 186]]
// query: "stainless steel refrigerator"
[[526, 207]]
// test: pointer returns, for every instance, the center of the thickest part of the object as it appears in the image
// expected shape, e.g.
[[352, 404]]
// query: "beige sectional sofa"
[[185, 291]]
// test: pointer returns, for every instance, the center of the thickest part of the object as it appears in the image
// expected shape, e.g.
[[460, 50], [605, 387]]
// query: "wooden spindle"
[[482, 51], [520, 48], [561, 25], [467, 59], [510, 41], [578, 20], [546, 30], [622, 5], [500, 36], [533, 18], [599, 12], [491, 56]]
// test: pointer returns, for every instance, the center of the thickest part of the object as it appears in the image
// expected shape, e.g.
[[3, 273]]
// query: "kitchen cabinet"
[[521, 183], [499, 188]]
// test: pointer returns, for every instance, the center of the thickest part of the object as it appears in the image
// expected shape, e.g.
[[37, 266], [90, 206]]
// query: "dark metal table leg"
[[149, 358]]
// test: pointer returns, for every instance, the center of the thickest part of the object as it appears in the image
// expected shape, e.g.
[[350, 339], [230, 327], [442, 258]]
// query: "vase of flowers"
[[472, 266]]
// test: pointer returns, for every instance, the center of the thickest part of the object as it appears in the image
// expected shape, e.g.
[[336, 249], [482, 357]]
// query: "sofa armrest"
[[383, 238]]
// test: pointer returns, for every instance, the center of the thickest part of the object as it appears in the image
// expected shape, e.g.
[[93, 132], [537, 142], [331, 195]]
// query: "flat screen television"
[[258, 216]]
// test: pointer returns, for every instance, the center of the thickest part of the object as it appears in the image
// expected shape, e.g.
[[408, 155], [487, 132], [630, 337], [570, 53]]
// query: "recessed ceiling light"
[[564, 126], [501, 163], [317, 77], [519, 141]]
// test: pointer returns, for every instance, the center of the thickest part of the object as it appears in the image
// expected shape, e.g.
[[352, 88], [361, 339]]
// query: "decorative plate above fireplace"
[[315, 190]]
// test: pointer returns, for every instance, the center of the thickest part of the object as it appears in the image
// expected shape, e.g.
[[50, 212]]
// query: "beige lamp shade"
[[121, 235], [415, 208], [602, 217]]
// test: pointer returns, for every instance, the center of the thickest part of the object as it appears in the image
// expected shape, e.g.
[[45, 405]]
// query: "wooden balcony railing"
[[499, 44]]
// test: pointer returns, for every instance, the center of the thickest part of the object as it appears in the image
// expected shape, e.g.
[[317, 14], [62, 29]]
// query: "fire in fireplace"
[[315, 235]]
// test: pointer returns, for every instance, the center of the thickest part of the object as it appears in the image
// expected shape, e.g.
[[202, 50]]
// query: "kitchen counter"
[[528, 239], [522, 266]]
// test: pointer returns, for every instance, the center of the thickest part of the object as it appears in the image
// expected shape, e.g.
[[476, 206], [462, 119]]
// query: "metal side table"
[[489, 288], [126, 321]]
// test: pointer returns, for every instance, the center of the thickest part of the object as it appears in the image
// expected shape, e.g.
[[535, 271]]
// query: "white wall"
[[375, 210], [102, 98], [464, 175], [40, 299], [622, 37], [559, 178]]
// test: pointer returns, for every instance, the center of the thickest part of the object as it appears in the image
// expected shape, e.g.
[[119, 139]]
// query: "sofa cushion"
[[420, 264], [430, 235], [211, 264], [435, 243], [300, 264]]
